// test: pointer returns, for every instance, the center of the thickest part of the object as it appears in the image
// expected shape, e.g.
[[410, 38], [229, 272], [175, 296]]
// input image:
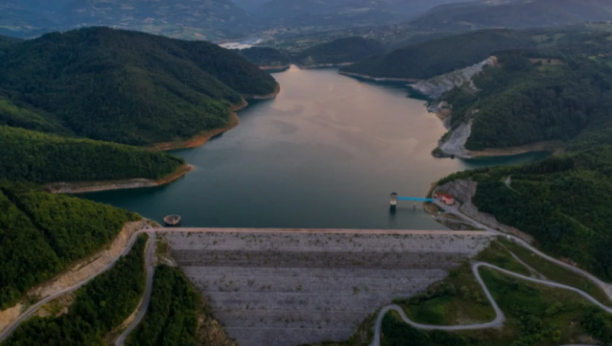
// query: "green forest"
[[564, 202], [172, 317], [127, 87], [42, 234], [436, 57], [536, 315], [265, 56], [396, 333], [42, 158], [344, 50], [521, 102], [99, 307]]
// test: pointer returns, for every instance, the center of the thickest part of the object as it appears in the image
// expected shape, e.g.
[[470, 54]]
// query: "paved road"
[[488, 232], [312, 230], [150, 264], [607, 288], [32, 309], [152, 231], [500, 317]]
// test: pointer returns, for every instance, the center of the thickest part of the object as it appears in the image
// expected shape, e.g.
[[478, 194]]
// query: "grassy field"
[[556, 273], [536, 315], [459, 299]]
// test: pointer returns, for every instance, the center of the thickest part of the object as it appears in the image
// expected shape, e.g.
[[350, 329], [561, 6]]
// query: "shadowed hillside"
[[129, 87], [436, 57]]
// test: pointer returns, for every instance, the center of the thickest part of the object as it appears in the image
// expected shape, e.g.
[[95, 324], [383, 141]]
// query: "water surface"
[[326, 153]]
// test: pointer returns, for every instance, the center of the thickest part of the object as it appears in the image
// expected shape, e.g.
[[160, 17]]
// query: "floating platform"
[[172, 220]]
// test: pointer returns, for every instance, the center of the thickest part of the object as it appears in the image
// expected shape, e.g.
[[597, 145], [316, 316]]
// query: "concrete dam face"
[[293, 287]]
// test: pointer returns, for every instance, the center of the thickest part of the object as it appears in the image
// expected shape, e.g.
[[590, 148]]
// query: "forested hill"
[[266, 57], [43, 234], [42, 158], [344, 50], [436, 57], [6, 41], [526, 100], [564, 202], [514, 14], [129, 87]]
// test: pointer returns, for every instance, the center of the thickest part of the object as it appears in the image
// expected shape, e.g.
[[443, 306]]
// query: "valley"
[[270, 159], [354, 150]]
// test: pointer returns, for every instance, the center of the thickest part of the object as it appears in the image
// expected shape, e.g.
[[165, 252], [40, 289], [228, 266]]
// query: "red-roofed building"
[[446, 198]]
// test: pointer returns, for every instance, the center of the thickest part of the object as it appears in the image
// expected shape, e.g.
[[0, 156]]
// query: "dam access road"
[[487, 235]]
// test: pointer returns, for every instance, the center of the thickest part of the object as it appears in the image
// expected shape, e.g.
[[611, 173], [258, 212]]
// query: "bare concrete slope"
[[274, 288]]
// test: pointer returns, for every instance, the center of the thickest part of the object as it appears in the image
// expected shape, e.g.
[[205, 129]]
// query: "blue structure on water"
[[395, 198], [415, 199]]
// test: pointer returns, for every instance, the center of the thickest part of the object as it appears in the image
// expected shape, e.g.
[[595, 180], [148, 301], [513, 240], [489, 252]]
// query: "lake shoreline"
[[203, 137], [122, 184], [270, 96], [136, 183], [275, 68], [549, 146], [316, 157], [316, 66], [377, 79]]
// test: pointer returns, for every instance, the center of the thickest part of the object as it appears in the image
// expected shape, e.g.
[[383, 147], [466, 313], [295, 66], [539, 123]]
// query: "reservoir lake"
[[326, 153]]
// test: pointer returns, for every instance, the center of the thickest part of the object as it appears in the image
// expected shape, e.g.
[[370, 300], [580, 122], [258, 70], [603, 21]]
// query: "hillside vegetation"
[[436, 57], [563, 202], [172, 317], [185, 19], [344, 50], [6, 41], [99, 307], [42, 234], [322, 15], [42, 158], [536, 315], [147, 89], [514, 14], [266, 57], [521, 102]]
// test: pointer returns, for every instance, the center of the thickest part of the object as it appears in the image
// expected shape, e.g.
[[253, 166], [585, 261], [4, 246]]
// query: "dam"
[[286, 287]]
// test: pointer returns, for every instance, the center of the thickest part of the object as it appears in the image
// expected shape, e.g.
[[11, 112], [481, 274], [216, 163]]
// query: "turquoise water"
[[326, 153]]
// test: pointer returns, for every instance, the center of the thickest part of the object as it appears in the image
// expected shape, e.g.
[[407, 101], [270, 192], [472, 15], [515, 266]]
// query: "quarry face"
[[293, 287]]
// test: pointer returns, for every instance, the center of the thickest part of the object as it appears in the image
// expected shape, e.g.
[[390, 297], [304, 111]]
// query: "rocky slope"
[[438, 86]]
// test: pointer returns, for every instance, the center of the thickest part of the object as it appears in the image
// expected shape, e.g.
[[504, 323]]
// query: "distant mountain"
[[436, 57], [125, 87], [266, 58], [23, 19], [341, 13], [515, 14], [7, 41], [188, 19], [250, 5], [341, 51], [44, 5]]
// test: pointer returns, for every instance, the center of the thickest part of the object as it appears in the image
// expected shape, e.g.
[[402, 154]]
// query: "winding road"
[[500, 317], [455, 210], [32, 309], [150, 267], [497, 322], [150, 264]]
